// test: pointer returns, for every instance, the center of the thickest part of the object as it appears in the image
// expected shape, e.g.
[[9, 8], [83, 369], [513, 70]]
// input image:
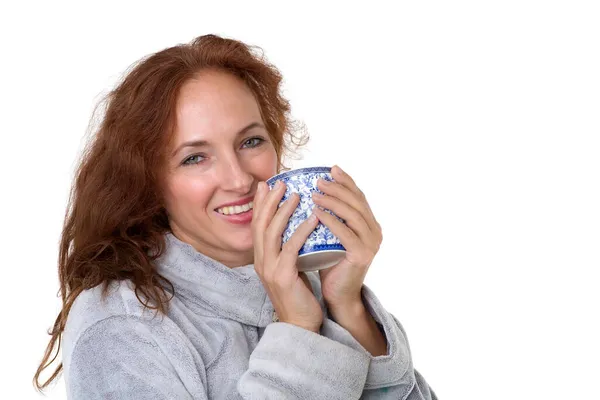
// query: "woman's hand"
[[361, 236], [290, 291]]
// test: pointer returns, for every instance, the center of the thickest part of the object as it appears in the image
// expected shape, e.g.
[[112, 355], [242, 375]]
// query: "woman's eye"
[[190, 160], [253, 142]]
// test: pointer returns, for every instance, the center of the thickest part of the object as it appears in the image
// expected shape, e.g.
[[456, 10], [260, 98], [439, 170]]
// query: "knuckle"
[[292, 201], [304, 229], [288, 247], [273, 237], [269, 232], [271, 198]]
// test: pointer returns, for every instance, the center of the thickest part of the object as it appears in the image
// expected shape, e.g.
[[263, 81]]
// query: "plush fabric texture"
[[219, 341]]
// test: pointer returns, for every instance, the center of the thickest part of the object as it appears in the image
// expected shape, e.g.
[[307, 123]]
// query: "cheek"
[[186, 193], [268, 165]]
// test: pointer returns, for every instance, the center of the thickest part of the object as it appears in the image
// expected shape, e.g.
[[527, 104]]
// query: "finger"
[[344, 179], [354, 219], [268, 205], [347, 237], [358, 202], [258, 197], [258, 200], [296, 241], [274, 232], [257, 237]]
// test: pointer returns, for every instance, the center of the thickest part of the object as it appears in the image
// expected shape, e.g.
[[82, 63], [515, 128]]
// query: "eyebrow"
[[199, 143]]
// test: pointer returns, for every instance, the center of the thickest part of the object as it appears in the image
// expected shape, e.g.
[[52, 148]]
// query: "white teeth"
[[236, 209]]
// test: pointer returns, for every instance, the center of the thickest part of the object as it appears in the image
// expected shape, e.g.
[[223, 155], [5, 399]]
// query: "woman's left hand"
[[341, 284]]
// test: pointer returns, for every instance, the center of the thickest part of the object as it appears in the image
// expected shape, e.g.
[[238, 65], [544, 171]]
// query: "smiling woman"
[[217, 165], [169, 212]]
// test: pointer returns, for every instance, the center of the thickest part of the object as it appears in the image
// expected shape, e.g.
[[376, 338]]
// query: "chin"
[[239, 243]]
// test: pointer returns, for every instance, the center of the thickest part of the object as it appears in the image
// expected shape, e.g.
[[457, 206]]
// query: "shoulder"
[[99, 314], [114, 346], [95, 304]]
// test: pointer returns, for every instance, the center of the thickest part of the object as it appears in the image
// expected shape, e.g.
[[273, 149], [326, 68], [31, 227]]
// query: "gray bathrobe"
[[219, 341]]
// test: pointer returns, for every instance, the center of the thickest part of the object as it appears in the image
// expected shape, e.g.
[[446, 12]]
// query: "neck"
[[231, 259]]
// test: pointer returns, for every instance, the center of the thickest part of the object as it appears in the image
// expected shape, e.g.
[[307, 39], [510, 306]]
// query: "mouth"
[[236, 209]]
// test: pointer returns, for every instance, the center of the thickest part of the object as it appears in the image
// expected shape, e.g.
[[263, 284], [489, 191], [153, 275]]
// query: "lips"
[[235, 209], [236, 203], [242, 218]]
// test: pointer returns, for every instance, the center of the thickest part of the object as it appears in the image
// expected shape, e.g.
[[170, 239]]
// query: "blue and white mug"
[[322, 248]]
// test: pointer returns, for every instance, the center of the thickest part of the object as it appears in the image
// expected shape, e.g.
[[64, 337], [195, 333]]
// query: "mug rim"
[[297, 171]]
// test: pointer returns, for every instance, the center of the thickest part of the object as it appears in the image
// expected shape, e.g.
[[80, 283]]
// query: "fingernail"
[[279, 184], [312, 218]]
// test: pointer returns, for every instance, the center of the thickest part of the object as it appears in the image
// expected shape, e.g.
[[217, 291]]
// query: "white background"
[[473, 127]]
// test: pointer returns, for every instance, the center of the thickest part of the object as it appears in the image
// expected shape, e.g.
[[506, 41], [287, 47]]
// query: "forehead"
[[214, 103]]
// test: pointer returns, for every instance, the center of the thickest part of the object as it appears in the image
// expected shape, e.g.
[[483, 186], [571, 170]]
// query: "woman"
[[167, 295]]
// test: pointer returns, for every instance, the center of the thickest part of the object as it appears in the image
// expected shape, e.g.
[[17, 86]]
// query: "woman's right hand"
[[290, 291]]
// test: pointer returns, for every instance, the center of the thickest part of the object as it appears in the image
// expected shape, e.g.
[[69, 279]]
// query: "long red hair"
[[115, 220]]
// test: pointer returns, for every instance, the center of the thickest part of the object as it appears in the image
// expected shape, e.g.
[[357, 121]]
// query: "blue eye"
[[199, 158], [186, 162], [253, 142]]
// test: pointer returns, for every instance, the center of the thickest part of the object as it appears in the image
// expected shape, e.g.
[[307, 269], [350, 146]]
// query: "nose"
[[235, 177]]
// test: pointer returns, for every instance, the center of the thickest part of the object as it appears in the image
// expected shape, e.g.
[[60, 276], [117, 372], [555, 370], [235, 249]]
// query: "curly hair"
[[115, 220]]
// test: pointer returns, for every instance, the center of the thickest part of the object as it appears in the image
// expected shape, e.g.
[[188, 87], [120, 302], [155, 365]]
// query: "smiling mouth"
[[234, 210]]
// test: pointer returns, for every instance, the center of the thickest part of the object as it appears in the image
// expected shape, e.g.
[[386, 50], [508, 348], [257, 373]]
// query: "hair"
[[115, 220]]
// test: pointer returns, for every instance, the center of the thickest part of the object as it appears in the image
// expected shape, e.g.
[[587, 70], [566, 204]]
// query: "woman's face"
[[221, 151]]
